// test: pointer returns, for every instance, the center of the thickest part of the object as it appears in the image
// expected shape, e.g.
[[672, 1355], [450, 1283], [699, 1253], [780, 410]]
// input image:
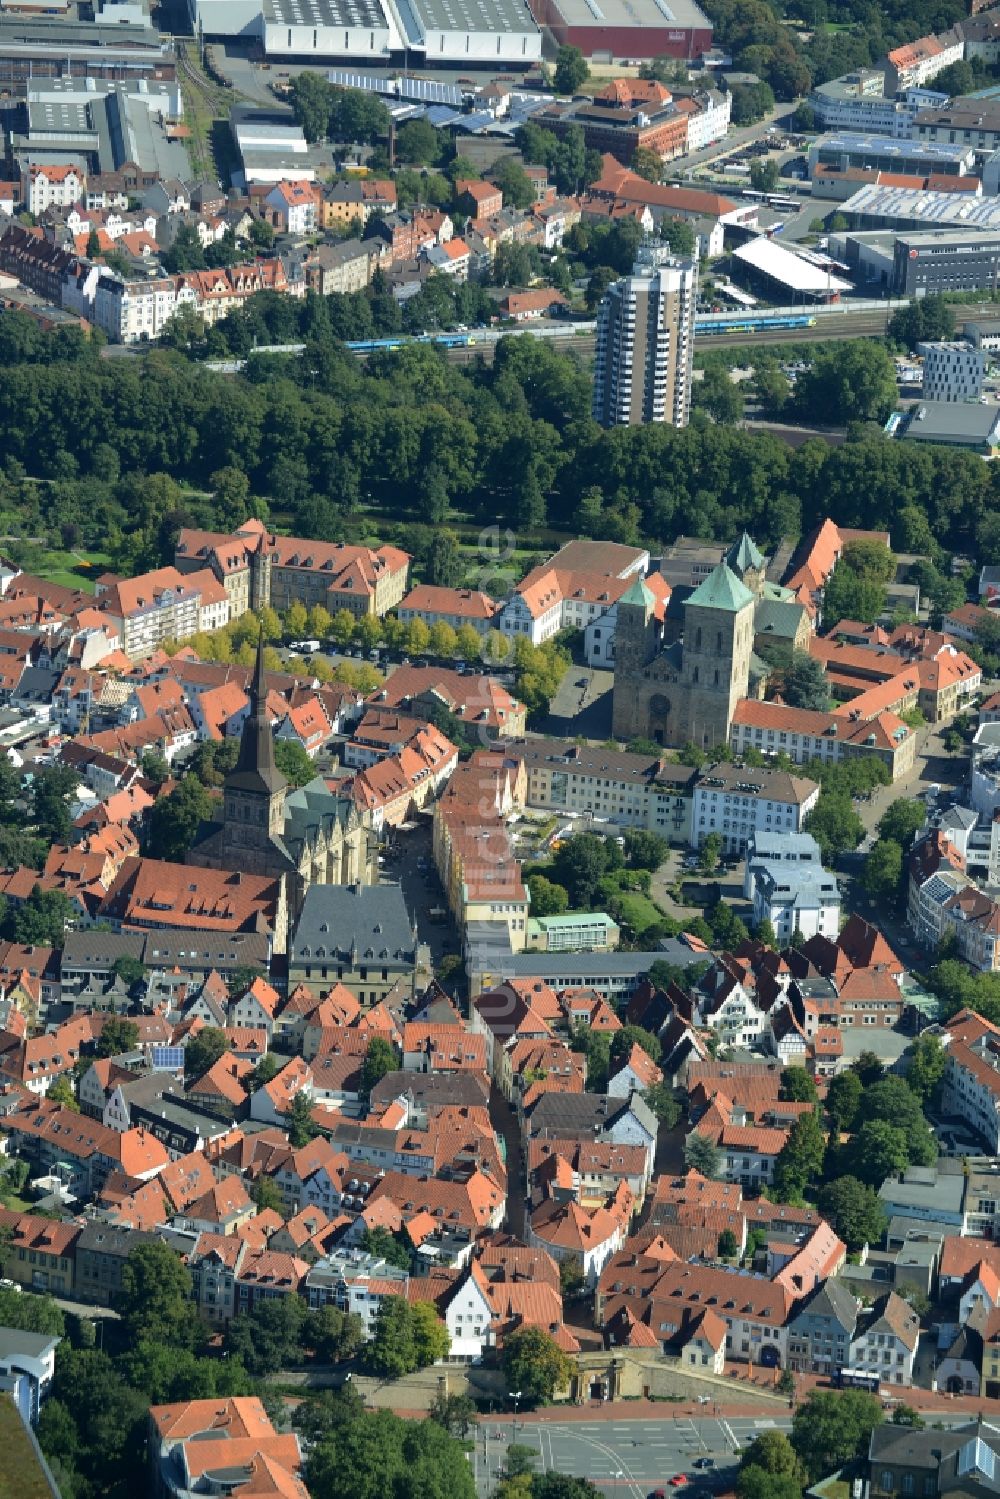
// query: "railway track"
[[851, 325]]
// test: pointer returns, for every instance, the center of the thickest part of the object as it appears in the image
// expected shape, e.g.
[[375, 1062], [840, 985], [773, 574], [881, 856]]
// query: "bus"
[[781, 203], [856, 1379]]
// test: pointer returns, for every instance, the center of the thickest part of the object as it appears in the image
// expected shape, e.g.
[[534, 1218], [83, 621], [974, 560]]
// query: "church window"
[[697, 639], [717, 677], [718, 640], [694, 676]]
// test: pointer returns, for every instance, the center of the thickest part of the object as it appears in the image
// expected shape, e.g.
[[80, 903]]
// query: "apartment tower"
[[645, 342]]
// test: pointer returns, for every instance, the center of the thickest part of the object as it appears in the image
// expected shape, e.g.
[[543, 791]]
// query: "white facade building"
[[711, 123], [133, 311], [736, 803], [804, 900], [952, 371], [645, 343]]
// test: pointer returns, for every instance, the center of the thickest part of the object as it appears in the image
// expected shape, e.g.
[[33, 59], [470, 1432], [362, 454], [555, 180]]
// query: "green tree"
[[175, 819], [596, 1046], [417, 141], [265, 1072], [299, 1120], [645, 850], [267, 1195], [547, 898], [882, 875], [296, 619], [202, 1051], [392, 1352], [891, 1101], [719, 395], [728, 1246], [800, 1161], [28, 1312], [515, 184], [868, 1068], [469, 643], [380, 1058], [342, 627], [855, 381], [830, 1428], [534, 1364], [773, 1453], [294, 763], [843, 1097], [155, 1299], [443, 640], [371, 1456], [581, 863], [710, 852], [270, 1337], [834, 824], [648, 164], [804, 683], [902, 820], [61, 1092], [853, 1211], [333, 1335], [797, 1085], [877, 1151], [456, 1413], [925, 1067], [386, 1246], [431, 1339], [117, 1035], [311, 103], [764, 175], [52, 788], [571, 70], [634, 1035], [929, 318], [701, 1155], [154, 767], [42, 919], [664, 1104]]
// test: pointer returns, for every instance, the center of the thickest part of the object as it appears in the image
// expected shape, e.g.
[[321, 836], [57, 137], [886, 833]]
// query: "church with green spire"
[[681, 686]]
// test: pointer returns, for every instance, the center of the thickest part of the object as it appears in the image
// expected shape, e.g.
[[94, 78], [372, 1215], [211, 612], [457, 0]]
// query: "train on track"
[[739, 322], [736, 322]]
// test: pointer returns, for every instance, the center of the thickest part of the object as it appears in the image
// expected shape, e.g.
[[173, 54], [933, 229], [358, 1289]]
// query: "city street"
[[632, 1457]]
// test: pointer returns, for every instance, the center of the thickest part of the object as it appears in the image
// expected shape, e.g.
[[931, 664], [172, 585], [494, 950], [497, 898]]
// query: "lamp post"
[[514, 1395]]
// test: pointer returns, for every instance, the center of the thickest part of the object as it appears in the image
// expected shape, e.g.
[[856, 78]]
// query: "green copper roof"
[[722, 589], [638, 594], [743, 554]]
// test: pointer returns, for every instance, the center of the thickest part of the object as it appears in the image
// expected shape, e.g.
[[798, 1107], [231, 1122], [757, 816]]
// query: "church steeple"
[[255, 769]]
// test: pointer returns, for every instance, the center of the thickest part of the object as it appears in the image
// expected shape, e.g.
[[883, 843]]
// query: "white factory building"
[[418, 32]]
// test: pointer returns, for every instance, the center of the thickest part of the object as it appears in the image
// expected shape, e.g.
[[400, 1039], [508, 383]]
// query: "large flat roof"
[[350, 13], [910, 204], [947, 421], [791, 270], [638, 14], [888, 145], [490, 16]]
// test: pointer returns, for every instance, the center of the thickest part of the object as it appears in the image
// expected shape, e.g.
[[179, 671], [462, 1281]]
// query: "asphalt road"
[[629, 1457]]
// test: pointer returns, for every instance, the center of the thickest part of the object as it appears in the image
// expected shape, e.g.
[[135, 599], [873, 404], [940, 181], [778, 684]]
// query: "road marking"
[[764, 1425]]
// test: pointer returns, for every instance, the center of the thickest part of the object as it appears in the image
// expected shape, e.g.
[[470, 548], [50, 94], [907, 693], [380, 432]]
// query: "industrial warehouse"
[[415, 32]]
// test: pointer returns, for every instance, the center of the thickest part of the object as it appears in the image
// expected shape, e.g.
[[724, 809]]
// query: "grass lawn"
[[21, 1475], [638, 911], [73, 569], [16, 1203]]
